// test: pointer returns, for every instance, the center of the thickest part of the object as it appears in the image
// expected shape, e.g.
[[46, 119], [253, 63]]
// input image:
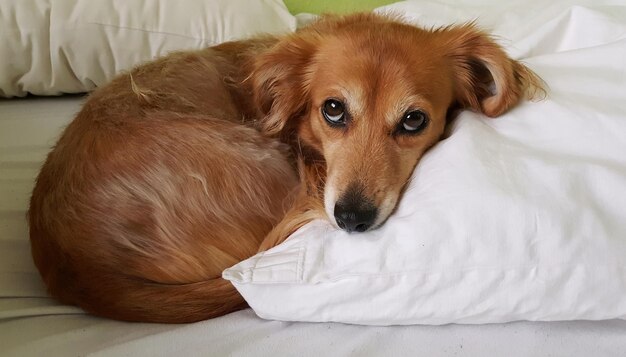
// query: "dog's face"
[[371, 95], [375, 109]]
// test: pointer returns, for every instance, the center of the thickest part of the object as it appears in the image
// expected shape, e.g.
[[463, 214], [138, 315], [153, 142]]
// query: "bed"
[[33, 324]]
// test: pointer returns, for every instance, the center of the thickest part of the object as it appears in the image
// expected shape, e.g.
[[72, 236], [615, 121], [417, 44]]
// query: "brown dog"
[[165, 177]]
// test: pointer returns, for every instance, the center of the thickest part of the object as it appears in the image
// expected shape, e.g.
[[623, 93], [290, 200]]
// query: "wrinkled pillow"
[[517, 218], [50, 47]]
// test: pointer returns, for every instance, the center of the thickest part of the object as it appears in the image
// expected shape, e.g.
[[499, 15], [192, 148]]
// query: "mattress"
[[32, 324]]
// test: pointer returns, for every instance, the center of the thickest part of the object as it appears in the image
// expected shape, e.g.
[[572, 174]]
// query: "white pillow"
[[517, 218], [50, 47]]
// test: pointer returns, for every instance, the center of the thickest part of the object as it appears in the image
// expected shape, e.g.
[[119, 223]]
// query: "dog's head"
[[369, 95]]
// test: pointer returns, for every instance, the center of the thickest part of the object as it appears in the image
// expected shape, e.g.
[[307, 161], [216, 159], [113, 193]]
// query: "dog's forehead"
[[376, 80]]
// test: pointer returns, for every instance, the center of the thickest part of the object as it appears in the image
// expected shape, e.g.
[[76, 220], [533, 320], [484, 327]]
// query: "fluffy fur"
[[188, 164]]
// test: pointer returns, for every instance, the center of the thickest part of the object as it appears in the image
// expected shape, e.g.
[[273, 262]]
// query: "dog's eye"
[[334, 112], [413, 122]]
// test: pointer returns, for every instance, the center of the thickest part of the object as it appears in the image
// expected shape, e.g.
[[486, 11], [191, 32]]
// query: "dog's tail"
[[144, 301]]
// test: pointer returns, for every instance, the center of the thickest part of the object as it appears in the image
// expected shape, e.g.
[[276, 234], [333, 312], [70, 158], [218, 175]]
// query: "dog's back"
[[155, 188]]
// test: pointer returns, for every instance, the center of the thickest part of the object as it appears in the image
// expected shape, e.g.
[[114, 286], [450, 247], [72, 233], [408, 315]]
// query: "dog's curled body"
[[156, 187], [165, 178]]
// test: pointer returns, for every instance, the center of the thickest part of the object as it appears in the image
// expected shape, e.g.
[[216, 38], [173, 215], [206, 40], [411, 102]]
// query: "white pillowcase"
[[50, 47], [517, 218]]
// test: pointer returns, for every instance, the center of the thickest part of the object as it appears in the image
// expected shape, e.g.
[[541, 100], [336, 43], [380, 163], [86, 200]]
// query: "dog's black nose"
[[353, 219], [354, 213]]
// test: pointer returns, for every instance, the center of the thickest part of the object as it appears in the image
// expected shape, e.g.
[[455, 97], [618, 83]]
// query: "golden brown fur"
[[175, 171]]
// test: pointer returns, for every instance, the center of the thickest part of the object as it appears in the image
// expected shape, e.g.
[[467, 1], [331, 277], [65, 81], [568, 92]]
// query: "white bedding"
[[50, 47], [32, 324]]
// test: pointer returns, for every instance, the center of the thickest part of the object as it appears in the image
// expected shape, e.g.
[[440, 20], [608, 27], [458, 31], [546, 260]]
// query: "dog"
[[186, 165]]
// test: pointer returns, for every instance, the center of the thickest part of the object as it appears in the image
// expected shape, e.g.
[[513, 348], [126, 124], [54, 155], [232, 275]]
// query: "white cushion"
[[50, 47], [517, 218]]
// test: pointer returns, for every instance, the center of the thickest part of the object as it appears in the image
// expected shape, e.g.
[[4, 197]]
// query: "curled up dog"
[[189, 164]]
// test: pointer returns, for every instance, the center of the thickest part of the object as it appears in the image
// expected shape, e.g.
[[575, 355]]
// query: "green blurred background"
[[334, 6]]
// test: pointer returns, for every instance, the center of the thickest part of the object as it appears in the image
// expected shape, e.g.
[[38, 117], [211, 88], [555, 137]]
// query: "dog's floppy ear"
[[486, 79], [280, 82]]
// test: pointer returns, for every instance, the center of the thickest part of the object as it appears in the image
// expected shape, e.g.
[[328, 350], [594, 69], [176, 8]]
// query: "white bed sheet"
[[32, 324]]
